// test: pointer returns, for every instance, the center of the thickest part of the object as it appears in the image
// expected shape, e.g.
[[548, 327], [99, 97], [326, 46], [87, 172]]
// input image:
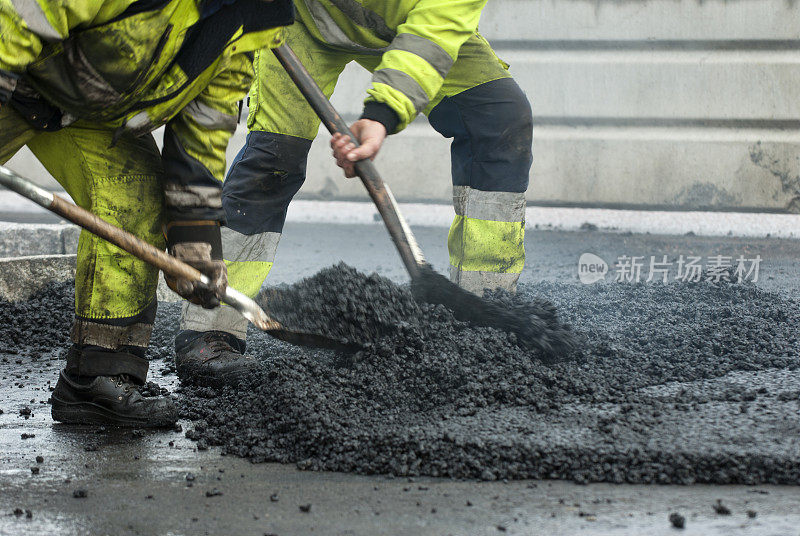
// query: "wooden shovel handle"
[[381, 195], [124, 240]]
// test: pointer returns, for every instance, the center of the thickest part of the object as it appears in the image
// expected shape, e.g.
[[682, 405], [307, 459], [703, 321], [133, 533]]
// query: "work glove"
[[198, 244]]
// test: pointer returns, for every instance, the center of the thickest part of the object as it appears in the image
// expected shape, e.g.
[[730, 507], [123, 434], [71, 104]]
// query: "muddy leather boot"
[[213, 358], [83, 396], [110, 400]]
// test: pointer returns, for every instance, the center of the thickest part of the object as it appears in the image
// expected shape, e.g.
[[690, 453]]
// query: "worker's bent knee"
[[492, 130], [516, 126], [263, 179], [502, 134], [501, 108]]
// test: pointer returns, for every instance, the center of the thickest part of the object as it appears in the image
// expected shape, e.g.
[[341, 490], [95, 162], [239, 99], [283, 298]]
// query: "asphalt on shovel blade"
[[357, 311], [314, 340], [535, 324]]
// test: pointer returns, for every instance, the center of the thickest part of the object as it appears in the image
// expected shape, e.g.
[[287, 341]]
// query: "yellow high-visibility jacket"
[[138, 65], [417, 39]]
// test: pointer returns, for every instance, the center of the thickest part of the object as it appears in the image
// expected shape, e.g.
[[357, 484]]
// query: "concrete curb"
[[35, 254], [25, 239], [21, 277]]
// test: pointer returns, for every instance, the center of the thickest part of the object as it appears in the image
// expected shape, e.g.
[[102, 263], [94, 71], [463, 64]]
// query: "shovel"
[[164, 262], [535, 326]]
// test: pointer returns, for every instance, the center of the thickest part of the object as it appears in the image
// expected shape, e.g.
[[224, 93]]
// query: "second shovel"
[[535, 325]]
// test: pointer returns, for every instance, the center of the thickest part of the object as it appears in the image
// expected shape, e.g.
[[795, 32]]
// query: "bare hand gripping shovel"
[[161, 260], [535, 327]]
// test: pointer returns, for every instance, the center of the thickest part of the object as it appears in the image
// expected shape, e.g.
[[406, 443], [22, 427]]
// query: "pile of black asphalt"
[[675, 383], [363, 310], [36, 328]]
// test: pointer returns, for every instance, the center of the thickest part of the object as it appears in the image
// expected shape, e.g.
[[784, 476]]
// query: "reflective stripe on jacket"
[[418, 40]]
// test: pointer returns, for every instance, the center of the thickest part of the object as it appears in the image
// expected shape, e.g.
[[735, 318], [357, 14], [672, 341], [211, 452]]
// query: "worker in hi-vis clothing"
[[82, 84], [427, 57]]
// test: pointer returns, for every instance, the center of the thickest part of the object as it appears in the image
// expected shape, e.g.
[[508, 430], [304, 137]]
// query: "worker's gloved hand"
[[199, 245], [371, 135]]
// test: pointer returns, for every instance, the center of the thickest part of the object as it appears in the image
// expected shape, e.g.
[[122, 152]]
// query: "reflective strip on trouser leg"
[[112, 347], [262, 180], [249, 259], [486, 240], [113, 337]]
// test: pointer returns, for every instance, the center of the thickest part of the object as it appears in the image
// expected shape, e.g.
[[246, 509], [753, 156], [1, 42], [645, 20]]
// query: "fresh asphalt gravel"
[[642, 400], [678, 383]]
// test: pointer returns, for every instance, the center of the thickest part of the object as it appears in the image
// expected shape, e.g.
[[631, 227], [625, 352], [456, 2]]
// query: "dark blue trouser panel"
[[262, 180], [492, 130]]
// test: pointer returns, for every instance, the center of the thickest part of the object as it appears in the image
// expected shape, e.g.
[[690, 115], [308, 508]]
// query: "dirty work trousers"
[[479, 106], [115, 293]]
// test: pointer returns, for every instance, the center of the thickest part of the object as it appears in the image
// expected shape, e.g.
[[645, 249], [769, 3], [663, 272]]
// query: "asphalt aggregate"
[[677, 383]]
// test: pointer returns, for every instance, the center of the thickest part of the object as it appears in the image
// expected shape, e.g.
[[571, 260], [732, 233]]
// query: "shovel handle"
[[124, 240], [380, 193], [97, 226]]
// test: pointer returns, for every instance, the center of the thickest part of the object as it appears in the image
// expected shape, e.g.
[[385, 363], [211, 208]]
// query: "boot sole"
[[89, 413], [195, 376]]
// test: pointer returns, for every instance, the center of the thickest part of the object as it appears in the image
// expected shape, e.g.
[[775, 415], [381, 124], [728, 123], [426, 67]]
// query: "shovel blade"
[[535, 326], [314, 340]]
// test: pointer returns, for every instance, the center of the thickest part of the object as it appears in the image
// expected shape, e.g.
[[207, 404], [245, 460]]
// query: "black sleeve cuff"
[[382, 113], [195, 231]]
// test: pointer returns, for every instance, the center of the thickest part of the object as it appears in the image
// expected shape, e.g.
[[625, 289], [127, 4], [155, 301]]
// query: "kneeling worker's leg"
[[262, 180], [115, 293], [491, 126]]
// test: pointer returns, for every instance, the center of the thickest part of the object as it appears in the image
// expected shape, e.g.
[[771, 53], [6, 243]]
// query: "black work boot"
[[110, 400], [213, 358], [100, 386]]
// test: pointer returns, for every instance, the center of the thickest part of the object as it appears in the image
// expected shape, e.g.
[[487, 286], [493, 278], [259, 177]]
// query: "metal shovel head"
[[535, 325], [314, 340], [263, 320]]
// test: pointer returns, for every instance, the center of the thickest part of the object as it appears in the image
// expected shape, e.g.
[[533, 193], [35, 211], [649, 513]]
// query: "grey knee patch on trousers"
[[223, 318]]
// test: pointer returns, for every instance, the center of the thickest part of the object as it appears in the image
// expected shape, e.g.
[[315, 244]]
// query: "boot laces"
[[218, 346], [124, 380]]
